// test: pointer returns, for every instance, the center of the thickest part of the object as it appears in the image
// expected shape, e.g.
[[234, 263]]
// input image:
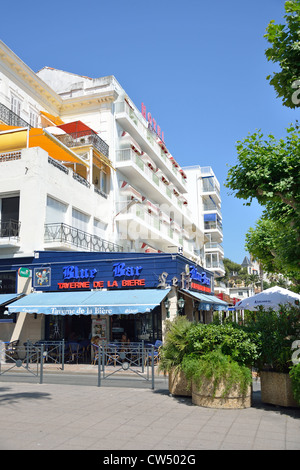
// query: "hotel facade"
[[84, 171]]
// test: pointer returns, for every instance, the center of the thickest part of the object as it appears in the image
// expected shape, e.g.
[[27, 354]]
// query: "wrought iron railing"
[[10, 118], [88, 137], [10, 229], [58, 165], [73, 236]]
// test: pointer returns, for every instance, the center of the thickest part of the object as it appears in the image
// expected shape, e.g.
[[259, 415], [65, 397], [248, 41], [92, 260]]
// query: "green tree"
[[277, 247], [269, 171], [285, 51]]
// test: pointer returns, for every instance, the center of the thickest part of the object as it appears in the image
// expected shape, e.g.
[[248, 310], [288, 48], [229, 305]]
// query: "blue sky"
[[199, 67]]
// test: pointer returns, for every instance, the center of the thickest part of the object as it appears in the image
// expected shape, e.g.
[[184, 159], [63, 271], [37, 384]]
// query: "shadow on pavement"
[[7, 397]]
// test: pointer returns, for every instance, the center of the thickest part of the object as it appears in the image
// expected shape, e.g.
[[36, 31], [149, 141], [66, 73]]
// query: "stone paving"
[[61, 416]]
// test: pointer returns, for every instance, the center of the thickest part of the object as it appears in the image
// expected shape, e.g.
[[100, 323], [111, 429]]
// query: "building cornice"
[[87, 102], [28, 80]]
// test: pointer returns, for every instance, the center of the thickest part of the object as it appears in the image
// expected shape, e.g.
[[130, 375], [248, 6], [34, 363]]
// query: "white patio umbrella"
[[269, 298]]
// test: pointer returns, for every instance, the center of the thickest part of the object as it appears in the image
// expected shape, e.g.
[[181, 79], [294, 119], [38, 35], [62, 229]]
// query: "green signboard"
[[24, 272]]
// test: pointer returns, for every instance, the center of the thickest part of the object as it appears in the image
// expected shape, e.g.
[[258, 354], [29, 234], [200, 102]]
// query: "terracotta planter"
[[178, 384], [203, 396], [276, 389]]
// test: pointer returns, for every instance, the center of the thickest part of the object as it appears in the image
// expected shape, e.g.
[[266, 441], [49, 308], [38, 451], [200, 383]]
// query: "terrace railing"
[[66, 234]]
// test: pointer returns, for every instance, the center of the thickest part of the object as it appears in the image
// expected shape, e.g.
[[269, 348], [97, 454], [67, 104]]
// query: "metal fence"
[[103, 361], [31, 358], [137, 358]]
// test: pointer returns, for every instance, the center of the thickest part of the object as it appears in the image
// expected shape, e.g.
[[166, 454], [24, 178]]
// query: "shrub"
[[231, 339], [277, 330], [295, 378], [218, 368], [175, 344]]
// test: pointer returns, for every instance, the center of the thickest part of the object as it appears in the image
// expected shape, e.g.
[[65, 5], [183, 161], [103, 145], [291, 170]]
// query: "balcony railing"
[[10, 229], [214, 246], [10, 118], [65, 234], [213, 226], [213, 261], [128, 155], [149, 136], [87, 137]]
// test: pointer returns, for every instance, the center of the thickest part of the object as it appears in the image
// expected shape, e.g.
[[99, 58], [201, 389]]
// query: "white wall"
[[35, 178]]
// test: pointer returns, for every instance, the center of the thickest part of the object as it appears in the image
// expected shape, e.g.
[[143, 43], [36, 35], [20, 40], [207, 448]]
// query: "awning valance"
[[123, 302]]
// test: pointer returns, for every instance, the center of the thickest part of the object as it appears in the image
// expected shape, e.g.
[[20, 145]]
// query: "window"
[[15, 105], [103, 182], [80, 220], [7, 282], [9, 209], [99, 228], [9, 216], [55, 211], [34, 119]]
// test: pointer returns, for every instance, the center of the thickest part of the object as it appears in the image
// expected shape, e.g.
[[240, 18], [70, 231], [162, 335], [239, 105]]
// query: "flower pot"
[[178, 384], [204, 395], [276, 389]]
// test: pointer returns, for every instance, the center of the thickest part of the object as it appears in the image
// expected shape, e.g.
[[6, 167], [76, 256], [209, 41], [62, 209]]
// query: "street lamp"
[[167, 304], [180, 305]]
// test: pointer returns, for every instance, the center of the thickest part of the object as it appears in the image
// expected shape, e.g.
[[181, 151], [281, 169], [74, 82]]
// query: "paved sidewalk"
[[60, 416]]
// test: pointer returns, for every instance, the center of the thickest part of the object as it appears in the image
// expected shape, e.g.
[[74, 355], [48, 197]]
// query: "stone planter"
[[203, 396], [276, 389], [178, 384]]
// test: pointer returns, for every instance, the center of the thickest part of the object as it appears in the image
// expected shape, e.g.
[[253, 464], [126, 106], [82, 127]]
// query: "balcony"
[[215, 229], [214, 246], [10, 118], [136, 126], [211, 187], [62, 236], [9, 233], [157, 230], [214, 262], [210, 206], [85, 137], [147, 181]]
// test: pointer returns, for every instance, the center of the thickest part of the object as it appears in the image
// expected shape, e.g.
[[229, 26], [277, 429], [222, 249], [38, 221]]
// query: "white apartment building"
[[205, 200], [82, 168]]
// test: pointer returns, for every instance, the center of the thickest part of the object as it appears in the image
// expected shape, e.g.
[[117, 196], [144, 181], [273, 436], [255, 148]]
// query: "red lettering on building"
[[199, 287], [152, 123], [133, 282], [73, 285]]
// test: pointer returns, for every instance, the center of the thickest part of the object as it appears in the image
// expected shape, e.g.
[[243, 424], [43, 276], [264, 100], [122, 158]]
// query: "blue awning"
[[5, 298], [207, 301], [209, 217], [112, 302]]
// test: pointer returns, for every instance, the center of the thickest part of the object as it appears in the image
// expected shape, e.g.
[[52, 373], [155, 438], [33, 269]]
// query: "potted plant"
[[218, 381], [218, 364], [186, 343], [278, 331], [172, 353]]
